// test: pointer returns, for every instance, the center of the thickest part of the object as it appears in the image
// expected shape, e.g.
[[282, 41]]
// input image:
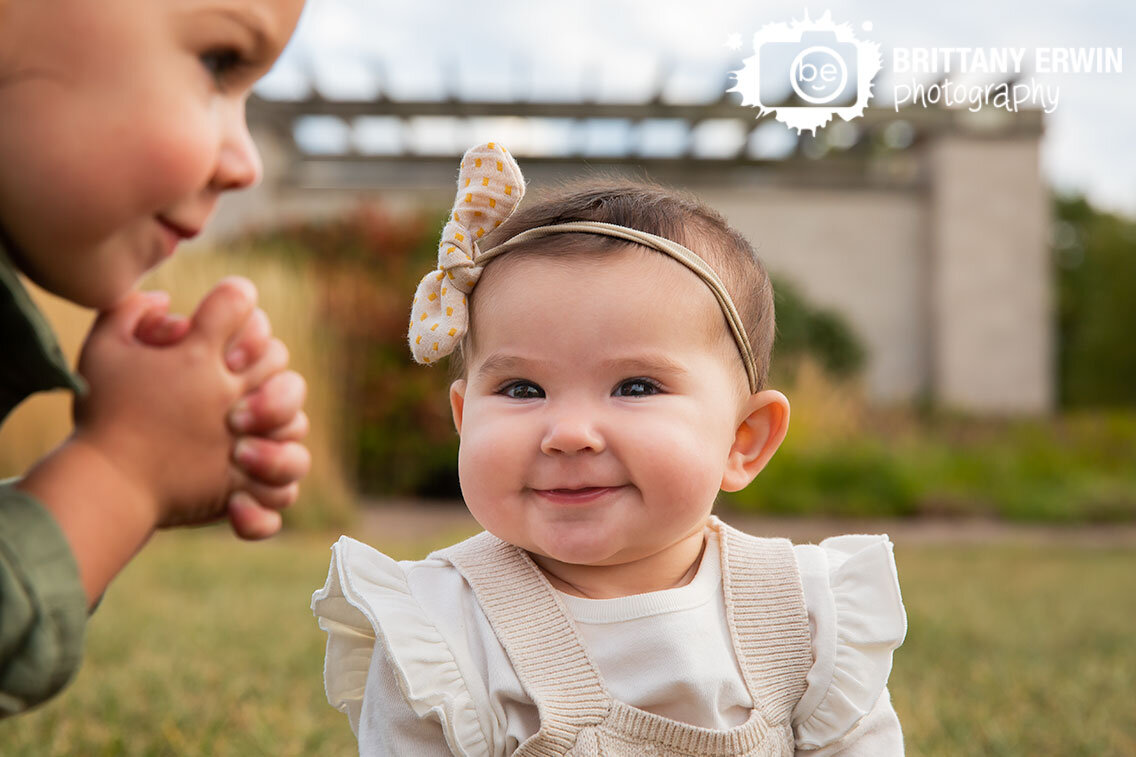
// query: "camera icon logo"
[[807, 72], [819, 72]]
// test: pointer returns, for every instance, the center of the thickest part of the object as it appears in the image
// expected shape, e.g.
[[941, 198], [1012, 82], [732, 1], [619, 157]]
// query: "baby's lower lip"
[[577, 496]]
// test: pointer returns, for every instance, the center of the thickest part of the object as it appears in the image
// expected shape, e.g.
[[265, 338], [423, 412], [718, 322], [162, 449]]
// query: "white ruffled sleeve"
[[857, 620], [366, 600]]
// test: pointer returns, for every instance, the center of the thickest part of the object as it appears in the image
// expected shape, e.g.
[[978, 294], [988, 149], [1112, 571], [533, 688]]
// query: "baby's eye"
[[637, 387], [222, 62], [522, 390]]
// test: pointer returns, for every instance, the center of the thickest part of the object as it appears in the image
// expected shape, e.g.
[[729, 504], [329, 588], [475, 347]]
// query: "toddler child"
[[122, 123], [613, 357]]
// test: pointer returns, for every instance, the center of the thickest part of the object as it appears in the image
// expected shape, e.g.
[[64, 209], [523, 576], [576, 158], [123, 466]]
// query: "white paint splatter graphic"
[[807, 71]]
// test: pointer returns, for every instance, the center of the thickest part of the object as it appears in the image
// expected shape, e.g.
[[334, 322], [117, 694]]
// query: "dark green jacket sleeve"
[[43, 609]]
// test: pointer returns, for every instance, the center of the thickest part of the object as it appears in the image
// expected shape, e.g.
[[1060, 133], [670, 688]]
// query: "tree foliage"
[[1095, 259]]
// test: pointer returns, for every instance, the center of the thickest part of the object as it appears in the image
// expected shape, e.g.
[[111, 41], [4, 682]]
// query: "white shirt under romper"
[[442, 684]]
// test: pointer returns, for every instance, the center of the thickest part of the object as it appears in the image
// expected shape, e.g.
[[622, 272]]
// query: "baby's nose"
[[570, 434]]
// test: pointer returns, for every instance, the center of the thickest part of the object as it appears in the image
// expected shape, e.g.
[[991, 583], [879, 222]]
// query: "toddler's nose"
[[571, 434], [238, 161]]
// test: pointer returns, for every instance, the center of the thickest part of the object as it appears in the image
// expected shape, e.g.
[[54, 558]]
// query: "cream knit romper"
[[765, 609]]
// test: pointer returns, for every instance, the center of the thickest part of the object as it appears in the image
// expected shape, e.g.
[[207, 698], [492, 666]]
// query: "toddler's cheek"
[[173, 163], [64, 192]]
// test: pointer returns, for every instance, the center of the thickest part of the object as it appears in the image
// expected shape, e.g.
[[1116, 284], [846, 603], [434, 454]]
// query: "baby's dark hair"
[[659, 210]]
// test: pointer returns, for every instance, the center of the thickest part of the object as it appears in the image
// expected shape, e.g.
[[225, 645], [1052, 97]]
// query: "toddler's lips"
[[182, 232], [173, 234], [577, 496]]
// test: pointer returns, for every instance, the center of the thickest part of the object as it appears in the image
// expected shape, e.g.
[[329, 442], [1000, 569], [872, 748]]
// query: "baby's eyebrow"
[[651, 363], [499, 363]]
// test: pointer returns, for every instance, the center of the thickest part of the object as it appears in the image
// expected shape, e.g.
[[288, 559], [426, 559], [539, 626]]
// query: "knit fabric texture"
[[768, 622]]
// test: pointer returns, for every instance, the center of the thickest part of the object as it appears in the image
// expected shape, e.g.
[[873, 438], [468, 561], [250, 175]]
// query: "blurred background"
[[956, 293]]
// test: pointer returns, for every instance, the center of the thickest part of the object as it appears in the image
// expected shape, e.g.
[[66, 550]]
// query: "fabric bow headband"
[[490, 186]]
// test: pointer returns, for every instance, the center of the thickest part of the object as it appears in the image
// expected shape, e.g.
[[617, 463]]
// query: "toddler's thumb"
[[224, 309]]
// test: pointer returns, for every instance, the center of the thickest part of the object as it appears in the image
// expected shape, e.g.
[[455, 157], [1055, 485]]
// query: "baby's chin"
[[578, 543]]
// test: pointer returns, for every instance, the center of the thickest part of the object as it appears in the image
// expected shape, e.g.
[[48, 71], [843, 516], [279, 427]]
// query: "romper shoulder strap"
[[768, 620], [539, 637]]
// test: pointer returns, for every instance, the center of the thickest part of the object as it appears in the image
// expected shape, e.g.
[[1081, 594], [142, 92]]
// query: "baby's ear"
[[756, 439], [457, 402]]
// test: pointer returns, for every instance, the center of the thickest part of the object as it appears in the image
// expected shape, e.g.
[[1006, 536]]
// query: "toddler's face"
[[599, 407], [124, 122]]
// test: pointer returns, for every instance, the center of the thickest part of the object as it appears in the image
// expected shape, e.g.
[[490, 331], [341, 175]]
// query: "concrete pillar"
[[991, 293]]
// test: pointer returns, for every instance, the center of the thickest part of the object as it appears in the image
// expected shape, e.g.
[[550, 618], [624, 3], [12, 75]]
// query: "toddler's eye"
[[523, 390], [638, 387], [222, 62]]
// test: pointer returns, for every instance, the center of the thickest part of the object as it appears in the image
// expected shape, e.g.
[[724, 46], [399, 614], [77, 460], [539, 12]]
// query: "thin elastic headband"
[[655, 242]]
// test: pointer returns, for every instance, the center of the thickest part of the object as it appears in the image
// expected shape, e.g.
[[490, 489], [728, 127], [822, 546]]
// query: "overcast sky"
[[615, 49]]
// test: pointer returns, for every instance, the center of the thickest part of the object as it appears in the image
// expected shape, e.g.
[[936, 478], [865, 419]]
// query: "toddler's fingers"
[[273, 463], [273, 361], [294, 430], [271, 497], [158, 329], [250, 343], [152, 318], [224, 310], [271, 405], [251, 521]]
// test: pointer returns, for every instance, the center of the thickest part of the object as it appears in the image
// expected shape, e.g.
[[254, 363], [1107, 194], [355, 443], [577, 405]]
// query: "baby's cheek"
[[684, 467], [491, 467], [483, 496], [482, 463]]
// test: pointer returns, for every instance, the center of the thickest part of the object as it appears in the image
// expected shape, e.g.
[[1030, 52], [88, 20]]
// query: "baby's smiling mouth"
[[577, 495]]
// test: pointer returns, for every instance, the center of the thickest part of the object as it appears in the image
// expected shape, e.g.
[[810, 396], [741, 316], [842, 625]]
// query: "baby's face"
[[599, 407], [124, 122]]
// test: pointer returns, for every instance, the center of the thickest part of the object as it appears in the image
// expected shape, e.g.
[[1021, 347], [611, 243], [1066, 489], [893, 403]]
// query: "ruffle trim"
[[367, 597], [870, 623]]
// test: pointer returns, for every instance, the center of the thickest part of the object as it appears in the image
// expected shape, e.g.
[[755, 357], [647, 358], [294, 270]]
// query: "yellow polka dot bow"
[[489, 187]]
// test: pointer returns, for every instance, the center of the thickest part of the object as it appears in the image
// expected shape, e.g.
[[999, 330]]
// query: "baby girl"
[[610, 381]]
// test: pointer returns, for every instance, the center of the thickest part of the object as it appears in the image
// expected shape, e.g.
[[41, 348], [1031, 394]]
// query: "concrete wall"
[[862, 253]]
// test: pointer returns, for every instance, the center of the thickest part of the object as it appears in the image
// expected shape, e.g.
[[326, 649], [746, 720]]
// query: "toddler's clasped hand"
[[202, 412]]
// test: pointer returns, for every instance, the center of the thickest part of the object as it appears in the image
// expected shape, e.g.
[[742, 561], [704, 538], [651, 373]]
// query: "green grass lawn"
[[207, 646]]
